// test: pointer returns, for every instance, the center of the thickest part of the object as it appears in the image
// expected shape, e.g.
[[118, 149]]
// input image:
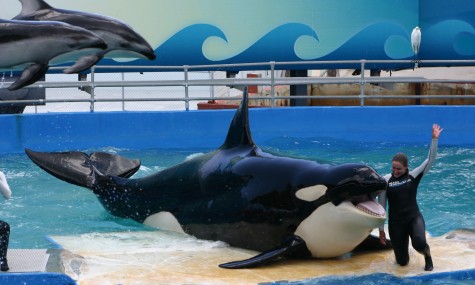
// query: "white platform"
[[143, 258]]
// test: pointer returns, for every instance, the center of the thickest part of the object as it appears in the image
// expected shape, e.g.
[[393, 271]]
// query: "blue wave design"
[[183, 48], [448, 39], [380, 41], [278, 45], [385, 40], [186, 47]]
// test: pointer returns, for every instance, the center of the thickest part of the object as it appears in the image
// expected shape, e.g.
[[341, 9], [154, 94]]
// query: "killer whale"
[[120, 38], [33, 46], [239, 194]]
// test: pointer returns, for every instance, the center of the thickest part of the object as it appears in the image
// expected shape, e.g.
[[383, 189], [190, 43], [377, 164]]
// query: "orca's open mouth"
[[368, 204]]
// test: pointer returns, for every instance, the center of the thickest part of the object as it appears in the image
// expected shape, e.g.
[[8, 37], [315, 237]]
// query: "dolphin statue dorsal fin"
[[30, 6], [239, 132]]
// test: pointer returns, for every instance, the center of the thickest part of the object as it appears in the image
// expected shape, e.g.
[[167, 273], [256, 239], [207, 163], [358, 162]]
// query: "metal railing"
[[271, 81]]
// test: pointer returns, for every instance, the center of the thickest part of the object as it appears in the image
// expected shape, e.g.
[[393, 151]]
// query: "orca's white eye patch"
[[311, 193]]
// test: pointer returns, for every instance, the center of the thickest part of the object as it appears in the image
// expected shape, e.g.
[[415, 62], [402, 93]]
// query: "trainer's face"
[[398, 169]]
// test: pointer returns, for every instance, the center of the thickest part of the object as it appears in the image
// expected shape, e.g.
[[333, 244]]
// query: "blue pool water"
[[465, 277], [43, 205]]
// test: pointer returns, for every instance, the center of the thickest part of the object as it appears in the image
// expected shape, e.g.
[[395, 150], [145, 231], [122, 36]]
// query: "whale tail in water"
[[81, 169]]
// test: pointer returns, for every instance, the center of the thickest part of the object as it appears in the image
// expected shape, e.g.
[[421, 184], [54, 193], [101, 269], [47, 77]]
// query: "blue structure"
[[313, 30], [35, 279], [456, 277], [188, 129], [204, 32]]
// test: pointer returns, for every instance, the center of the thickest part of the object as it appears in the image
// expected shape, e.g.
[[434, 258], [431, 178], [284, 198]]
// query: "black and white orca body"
[[122, 41], [238, 194]]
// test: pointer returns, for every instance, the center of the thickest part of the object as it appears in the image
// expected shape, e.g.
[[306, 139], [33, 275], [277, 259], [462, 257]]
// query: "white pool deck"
[[160, 257]]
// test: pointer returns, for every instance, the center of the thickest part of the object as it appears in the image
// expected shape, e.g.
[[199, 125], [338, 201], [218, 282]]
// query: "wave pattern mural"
[[449, 39], [201, 32]]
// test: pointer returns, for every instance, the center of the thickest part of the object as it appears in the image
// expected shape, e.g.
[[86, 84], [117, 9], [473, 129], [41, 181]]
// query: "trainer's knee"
[[402, 257], [402, 261], [419, 245]]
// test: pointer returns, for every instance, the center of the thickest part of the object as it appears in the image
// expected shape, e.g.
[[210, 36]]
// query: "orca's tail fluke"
[[82, 169]]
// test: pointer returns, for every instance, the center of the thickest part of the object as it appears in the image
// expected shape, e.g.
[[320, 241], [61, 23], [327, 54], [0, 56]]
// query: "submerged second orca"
[[238, 194]]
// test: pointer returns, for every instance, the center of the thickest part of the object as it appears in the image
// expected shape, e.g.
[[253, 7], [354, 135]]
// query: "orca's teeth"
[[367, 211], [371, 208]]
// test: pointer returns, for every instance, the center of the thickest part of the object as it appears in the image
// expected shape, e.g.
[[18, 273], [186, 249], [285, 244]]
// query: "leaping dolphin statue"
[[122, 41], [33, 46], [238, 194]]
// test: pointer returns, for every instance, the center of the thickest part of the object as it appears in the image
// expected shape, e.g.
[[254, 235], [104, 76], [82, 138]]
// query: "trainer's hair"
[[401, 158]]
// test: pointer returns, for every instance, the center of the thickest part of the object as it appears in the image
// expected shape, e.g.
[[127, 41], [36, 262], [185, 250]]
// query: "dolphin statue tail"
[[82, 169]]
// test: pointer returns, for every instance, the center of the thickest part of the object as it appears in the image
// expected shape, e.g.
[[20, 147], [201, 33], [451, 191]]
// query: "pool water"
[[455, 278], [42, 205]]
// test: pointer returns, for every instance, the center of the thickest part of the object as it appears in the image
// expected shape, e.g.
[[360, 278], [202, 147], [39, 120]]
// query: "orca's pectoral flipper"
[[80, 168], [294, 246]]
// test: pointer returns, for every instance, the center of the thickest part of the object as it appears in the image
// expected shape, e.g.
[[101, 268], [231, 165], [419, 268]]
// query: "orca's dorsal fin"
[[31, 6], [239, 132]]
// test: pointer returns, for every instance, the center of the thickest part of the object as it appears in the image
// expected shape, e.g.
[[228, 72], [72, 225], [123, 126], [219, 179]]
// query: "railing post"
[[123, 92], [92, 89], [187, 98], [211, 87], [272, 83], [362, 83]]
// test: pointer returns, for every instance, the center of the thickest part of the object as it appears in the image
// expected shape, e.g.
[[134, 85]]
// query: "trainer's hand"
[[382, 237], [436, 130]]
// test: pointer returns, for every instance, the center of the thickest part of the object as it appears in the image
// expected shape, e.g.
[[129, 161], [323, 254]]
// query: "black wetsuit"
[[4, 238], [405, 219]]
